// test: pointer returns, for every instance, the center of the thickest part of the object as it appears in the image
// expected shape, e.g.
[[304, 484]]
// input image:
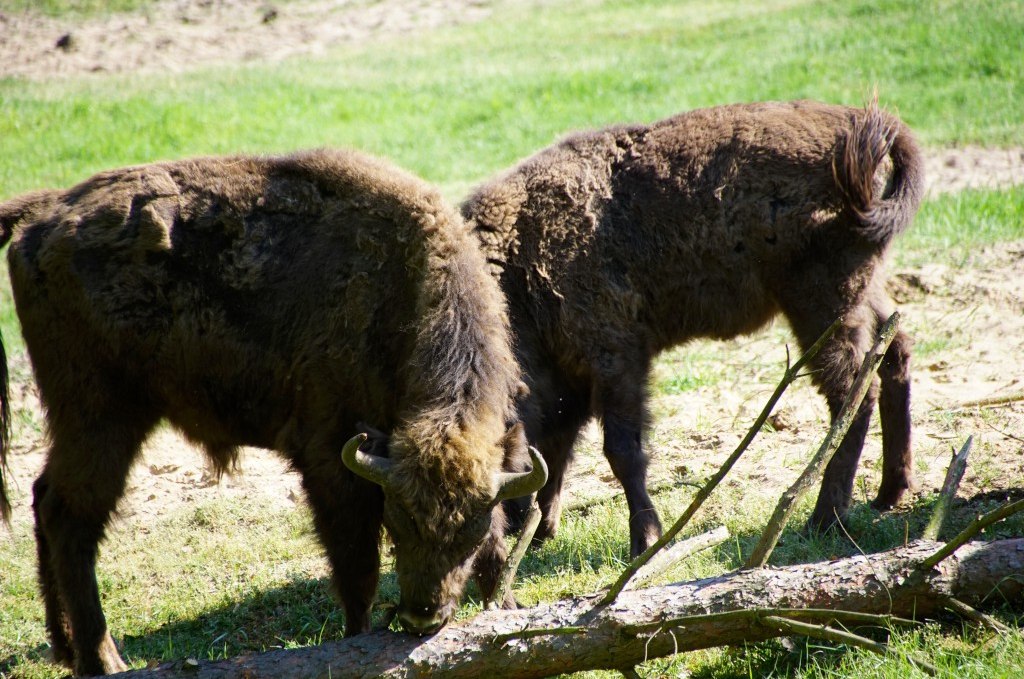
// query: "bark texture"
[[645, 624]]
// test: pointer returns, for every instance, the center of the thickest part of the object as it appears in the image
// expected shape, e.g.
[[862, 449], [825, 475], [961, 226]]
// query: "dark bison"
[[273, 302], [616, 244]]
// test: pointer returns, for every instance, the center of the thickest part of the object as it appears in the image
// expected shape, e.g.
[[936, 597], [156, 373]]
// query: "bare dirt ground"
[[968, 321]]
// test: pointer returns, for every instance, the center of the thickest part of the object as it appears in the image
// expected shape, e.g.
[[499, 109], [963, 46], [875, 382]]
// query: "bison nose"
[[421, 620]]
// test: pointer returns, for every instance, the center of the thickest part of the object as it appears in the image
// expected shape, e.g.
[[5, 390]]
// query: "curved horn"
[[370, 467], [512, 485]]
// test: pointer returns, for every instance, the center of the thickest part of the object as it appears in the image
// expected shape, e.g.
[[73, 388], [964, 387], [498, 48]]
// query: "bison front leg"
[[557, 452], [623, 408], [491, 558], [622, 447], [347, 515]]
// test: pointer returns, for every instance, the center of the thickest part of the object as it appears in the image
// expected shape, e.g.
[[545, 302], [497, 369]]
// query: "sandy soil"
[[968, 321], [178, 35]]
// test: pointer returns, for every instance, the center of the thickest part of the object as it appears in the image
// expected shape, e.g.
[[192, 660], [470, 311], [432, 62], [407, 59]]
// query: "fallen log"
[[576, 634]]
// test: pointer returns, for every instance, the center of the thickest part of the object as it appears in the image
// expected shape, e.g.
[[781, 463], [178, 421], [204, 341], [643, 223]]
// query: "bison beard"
[[272, 302], [614, 245]]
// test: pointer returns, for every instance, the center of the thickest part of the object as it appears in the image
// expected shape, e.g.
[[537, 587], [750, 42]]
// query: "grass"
[[74, 8], [955, 225], [455, 105]]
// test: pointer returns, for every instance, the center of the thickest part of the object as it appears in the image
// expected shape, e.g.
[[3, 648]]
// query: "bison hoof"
[[822, 522], [890, 496]]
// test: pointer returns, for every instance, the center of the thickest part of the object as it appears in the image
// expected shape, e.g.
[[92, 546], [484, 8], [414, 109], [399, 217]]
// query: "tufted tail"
[[885, 212], [11, 213]]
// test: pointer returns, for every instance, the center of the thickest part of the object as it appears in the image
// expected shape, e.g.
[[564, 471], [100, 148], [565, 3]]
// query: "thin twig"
[[811, 475], [839, 636], [977, 616], [676, 553], [508, 571], [703, 494], [583, 505], [976, 526], [531, 632], [1004, 433], [954, 474], [825, 615], [989, 402]]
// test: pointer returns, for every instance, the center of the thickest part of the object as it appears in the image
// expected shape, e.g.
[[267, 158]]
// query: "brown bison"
[[616, 244], [273, 302]]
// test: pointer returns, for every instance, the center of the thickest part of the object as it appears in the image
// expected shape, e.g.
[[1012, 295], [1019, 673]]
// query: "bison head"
[[438, 527]]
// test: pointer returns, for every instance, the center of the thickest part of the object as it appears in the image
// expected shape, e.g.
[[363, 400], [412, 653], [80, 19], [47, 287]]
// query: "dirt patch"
[[180, 35], [973, 167]]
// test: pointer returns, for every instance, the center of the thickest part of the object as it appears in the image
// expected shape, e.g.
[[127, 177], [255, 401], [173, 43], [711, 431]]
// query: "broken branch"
[[811, 475], [954, 474], [792, 372], [975, 527]]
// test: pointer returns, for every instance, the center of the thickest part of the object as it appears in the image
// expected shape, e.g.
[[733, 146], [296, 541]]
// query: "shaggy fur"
[[616, 244], [272, 302]]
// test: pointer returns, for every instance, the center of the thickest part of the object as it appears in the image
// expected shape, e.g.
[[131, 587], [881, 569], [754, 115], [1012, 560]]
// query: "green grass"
[[953, 226], [455, 105], [65, 8]]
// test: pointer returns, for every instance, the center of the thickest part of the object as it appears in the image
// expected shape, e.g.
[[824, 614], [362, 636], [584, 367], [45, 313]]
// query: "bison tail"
[[11, 214], [883, 208], [5, 433]]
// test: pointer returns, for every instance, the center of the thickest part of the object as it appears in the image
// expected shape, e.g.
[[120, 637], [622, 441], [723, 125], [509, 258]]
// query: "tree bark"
[[574, 635]]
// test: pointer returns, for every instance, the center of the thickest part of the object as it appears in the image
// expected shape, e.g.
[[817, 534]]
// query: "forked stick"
[[792, 373], [812, 474], [954, 474]]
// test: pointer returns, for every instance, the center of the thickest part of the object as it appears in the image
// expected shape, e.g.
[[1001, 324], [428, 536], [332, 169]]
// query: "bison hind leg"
[[894, 409], [57, 623]]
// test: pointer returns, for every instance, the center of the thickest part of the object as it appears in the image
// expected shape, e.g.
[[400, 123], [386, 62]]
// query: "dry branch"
[[508, 571], [963, 610], [792, 373], [989, 402], [975, 527], [576, 634], [811, 475], [954, 474], [839, 636], [676, 553]]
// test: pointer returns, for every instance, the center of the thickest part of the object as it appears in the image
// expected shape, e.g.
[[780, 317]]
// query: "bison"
[[616, 244], [276, 302]]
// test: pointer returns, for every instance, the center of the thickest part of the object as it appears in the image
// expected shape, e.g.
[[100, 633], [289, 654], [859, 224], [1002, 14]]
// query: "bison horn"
[[370, 467], [512, 485]]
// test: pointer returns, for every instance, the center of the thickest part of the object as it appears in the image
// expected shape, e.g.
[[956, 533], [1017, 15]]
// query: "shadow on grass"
[[301, 613], [40, 653], [868, 531]]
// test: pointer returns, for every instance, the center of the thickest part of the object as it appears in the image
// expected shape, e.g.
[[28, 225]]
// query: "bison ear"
[[376, 441], [517, 454]]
